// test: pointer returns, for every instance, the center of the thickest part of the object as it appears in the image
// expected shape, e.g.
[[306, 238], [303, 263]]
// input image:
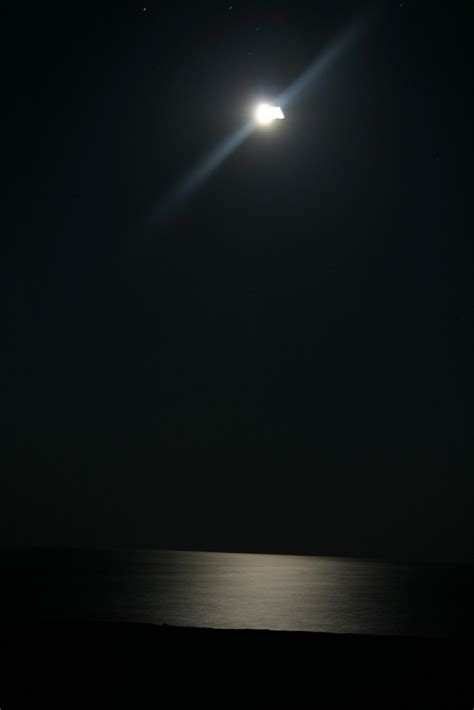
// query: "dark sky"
[[285, 364]]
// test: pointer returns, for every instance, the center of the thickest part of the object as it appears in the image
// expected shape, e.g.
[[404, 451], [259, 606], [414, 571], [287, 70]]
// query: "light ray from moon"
[[201, 172], [324, 61]]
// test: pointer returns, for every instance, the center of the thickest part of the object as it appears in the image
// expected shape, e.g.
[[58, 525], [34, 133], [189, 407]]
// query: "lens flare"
[[264, 116]]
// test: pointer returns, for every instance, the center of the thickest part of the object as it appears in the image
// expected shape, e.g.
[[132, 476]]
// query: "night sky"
[[284, 362]]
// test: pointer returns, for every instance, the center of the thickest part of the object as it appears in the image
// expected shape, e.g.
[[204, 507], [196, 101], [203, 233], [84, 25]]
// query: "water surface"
[[229, 590]]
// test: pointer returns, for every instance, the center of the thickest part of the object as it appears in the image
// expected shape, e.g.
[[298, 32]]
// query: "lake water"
[[228, 590]]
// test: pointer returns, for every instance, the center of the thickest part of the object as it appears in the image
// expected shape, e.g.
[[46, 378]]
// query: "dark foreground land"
[[149, 666]]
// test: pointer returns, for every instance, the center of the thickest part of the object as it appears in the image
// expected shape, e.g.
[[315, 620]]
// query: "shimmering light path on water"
[[226, 590]]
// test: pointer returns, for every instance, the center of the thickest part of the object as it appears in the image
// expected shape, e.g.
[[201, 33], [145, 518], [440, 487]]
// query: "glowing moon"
[[266, 114]]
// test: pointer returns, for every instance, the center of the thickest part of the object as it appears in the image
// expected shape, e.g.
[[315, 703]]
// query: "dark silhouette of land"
[[104, 661]]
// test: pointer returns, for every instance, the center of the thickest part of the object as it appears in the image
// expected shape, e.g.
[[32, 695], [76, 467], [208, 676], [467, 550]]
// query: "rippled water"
[[228, 590]]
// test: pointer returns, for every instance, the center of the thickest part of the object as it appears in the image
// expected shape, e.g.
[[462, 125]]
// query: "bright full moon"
[[266, 114]]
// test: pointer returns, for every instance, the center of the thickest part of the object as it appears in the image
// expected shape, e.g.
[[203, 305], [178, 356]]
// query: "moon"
[[265, 114]]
